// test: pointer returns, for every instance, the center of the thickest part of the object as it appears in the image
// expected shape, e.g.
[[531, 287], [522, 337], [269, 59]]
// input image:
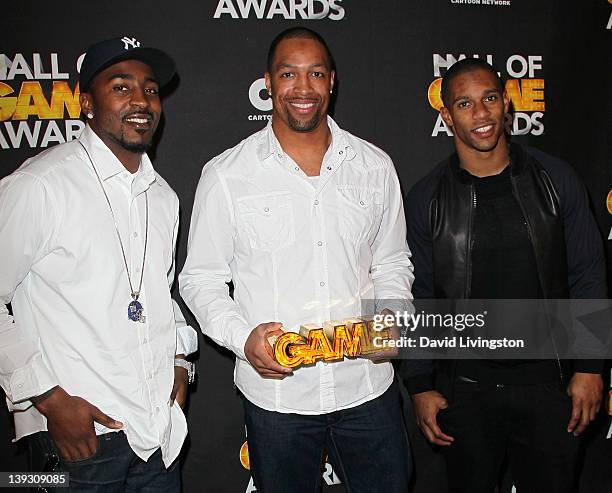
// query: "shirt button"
[[280, 156], [316, 202], [341, 152], [321, 284], [135, 234], [266, 209], [297, 168], [362, 202], [320, 243], [329, 168]]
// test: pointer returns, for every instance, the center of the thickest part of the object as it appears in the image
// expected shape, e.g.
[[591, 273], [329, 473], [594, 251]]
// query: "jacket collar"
[[518, 161]]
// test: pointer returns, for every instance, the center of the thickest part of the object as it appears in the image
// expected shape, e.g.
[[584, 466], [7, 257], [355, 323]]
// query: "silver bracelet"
[[188, 365]]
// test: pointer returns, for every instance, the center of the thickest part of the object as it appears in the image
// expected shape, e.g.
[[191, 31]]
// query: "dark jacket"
[[566, 242]]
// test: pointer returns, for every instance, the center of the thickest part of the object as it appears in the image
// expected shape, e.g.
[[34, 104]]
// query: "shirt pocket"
[[267, 220], [359, 212]]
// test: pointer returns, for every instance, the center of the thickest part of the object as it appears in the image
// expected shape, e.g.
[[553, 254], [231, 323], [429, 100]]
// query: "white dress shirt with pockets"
[[298, 251], [63, 272]]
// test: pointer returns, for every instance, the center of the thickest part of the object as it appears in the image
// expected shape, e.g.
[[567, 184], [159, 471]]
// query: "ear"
[[332, 80], [86, 102], [446, 116], [268, 82]]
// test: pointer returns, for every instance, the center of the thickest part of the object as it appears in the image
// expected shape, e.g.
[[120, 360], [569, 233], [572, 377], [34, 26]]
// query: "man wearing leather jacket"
[[499, 221]]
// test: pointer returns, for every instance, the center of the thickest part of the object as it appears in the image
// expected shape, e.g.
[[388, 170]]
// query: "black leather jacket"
[[451, 214], [565, 239]]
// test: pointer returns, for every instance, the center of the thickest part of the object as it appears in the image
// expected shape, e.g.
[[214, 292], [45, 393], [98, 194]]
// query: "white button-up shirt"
[[297, 251], [63, 272]]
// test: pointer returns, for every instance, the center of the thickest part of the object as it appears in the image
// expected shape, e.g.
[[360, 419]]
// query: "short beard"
[[135, 147], [301, 126]]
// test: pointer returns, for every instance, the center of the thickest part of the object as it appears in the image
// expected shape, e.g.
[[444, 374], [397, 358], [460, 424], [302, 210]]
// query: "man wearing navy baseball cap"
[[106, 53], [93, 358]]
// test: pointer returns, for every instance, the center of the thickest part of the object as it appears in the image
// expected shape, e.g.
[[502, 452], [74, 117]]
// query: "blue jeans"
[[367, 446], [114, 467]]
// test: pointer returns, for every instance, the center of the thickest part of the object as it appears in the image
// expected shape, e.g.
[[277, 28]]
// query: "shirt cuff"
[[31, 380], [18, 406], [186, 340], [237, 331]]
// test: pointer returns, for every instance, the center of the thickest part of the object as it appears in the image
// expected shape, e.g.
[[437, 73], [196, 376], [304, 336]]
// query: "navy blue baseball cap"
[[106, 53]]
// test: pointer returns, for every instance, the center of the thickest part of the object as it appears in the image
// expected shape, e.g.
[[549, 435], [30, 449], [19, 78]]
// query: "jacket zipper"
[[469, 246], [533, 242]]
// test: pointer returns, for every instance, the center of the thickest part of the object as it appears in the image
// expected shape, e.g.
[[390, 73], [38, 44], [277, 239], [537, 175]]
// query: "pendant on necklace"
[[135, 311]]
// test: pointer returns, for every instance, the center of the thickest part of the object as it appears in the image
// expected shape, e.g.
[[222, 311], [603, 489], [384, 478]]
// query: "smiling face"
[[124, 101], [300, 80], [475, 112]]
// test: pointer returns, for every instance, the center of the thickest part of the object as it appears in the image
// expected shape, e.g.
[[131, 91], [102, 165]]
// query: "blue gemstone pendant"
[[135, 310]]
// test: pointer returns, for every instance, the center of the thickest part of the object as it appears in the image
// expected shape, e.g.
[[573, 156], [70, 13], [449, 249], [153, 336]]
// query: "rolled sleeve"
[[186, 335]]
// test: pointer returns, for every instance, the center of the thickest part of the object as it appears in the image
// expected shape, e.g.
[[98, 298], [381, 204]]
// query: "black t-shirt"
[[503, 267]]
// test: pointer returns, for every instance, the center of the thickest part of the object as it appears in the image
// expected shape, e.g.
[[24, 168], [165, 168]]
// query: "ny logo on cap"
[[127, 42]]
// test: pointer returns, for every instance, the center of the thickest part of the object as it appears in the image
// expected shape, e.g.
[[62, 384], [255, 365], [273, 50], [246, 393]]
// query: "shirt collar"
[[108, 165], [268, 143]]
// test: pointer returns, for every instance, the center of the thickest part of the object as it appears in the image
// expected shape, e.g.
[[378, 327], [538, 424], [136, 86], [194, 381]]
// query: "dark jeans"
[[367, 446], [526, 425], [114, 467]]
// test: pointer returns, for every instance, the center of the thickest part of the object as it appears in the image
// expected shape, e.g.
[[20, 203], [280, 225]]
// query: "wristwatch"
[[188, 365]]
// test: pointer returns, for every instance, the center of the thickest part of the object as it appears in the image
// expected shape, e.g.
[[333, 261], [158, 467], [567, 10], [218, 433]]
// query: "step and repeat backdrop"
[[390, 55]]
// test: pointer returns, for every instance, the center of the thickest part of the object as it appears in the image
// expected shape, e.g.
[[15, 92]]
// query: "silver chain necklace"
[[135, 308]]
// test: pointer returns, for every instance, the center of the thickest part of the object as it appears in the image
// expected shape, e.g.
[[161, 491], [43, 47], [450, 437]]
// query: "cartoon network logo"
[[492, 3], [287, 9], [259, 98]]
